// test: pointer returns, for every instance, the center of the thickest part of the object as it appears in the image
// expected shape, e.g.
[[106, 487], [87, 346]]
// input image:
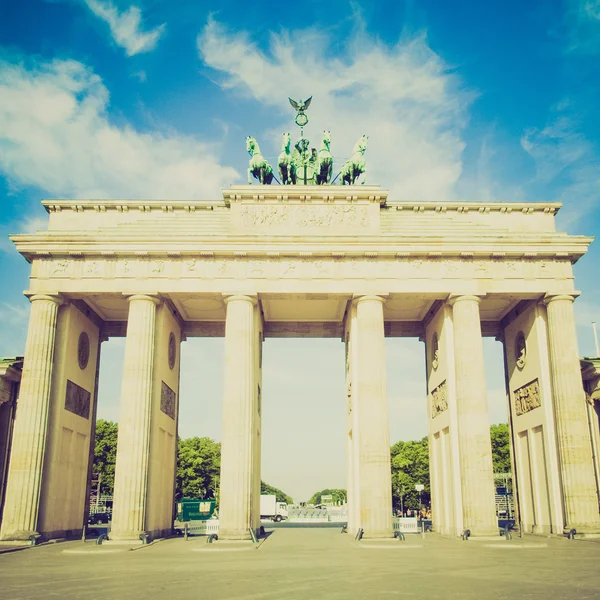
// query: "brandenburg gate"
[[265, 261]]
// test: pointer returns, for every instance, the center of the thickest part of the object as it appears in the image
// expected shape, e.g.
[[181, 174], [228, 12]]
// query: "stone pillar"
[[133, 447], [239, 397], [572, 433], [474, 444], [352, 420], [374, 469], [31, 426]]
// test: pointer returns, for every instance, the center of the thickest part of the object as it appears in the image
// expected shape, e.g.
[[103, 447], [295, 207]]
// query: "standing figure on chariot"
[[304, 165]]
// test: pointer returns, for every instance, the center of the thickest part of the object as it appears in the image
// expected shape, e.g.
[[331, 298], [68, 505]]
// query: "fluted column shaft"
[[31, 425], [374, 470], [474, 444], [238, 409], [572, 433], [133, 447]]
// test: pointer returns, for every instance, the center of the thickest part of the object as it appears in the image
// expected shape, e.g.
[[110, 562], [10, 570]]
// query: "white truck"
[[271, 509]]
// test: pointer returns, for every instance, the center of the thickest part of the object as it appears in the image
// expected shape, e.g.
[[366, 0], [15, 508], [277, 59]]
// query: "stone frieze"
[[439, 400], [77, 400], [299, 267], [304, 216], [527, 397], [168, 400]]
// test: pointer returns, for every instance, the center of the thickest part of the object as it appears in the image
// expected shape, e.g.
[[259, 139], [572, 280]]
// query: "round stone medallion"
[[83, 350], [435, 352], [172, 350], [520, 350]]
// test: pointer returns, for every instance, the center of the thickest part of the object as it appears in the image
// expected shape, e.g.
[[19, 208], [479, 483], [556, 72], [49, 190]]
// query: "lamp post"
[[419, 487]]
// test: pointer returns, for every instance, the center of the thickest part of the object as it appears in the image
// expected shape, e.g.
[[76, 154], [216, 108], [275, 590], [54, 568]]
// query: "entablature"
[[558, 246]]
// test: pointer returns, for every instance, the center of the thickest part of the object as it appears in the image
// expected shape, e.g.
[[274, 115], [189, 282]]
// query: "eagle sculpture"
[[300, 106]]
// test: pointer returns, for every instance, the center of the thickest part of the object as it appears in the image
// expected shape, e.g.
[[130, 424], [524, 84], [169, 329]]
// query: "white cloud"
[[55, 134], [582, 20], [403, 97], [567, 160], [555, 147], [591, 9], [14, 314], [126, 27]]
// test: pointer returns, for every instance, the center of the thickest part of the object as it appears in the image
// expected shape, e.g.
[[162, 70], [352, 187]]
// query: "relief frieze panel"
[[168, 400], [77, 400], [439, 400], [125, 268], [299, 267], [304, 217], [527, 398]]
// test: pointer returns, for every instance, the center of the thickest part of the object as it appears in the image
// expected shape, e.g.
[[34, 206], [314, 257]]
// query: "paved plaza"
[[307, 563]]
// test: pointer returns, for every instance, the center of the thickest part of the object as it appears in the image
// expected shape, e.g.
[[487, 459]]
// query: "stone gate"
[[320, 261]]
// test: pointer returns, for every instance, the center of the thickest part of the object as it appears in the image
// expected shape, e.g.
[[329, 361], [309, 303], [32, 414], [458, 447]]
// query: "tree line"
[[199, 465]]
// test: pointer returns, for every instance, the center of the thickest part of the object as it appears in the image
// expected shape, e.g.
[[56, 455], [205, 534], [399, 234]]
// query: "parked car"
[[100, 518]]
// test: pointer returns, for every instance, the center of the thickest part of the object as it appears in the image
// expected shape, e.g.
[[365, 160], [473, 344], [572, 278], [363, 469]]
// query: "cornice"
[[305, 193], [563, 247], [124, 206], [297, 194]]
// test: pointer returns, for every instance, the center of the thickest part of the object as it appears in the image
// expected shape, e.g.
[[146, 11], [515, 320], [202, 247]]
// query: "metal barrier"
[[406, 524], [198, 527]]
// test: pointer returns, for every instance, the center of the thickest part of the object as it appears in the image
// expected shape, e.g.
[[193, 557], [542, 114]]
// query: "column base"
[[234, 534], [378, 535], [134, 537], [484, 532], [18, 536], [588, 529]]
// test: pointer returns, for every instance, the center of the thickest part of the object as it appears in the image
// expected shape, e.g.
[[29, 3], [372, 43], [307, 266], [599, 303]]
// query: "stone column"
[[374, 470], [239, 396], [572, 433], [31, 425], [474, 444], [133, 447]]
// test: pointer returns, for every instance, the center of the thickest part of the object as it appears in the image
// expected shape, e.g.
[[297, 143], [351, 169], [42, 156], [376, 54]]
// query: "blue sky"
[[470, 100]]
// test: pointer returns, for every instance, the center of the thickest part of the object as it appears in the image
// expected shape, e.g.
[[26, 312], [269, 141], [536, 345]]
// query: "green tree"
[[267, 489], [410, 465], [198, 468], [105, 454], [500, 437], [339, 496]]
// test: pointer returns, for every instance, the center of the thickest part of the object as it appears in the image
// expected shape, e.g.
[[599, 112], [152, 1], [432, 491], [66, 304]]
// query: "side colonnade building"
[[301, 261]]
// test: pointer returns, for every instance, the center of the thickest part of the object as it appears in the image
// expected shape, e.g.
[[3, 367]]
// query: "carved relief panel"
[[439, 400], [77, 400], [168, 400], [304, 217], [527, 398]]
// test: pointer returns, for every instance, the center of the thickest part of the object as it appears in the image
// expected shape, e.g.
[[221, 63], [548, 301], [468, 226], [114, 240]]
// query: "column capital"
[[56, 298], [548, 298], [252, 298], [455, 298], [358, 298], [148, 297]]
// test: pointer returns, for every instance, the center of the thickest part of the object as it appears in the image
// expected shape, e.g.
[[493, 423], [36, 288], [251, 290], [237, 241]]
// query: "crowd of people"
[[424, 513]]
